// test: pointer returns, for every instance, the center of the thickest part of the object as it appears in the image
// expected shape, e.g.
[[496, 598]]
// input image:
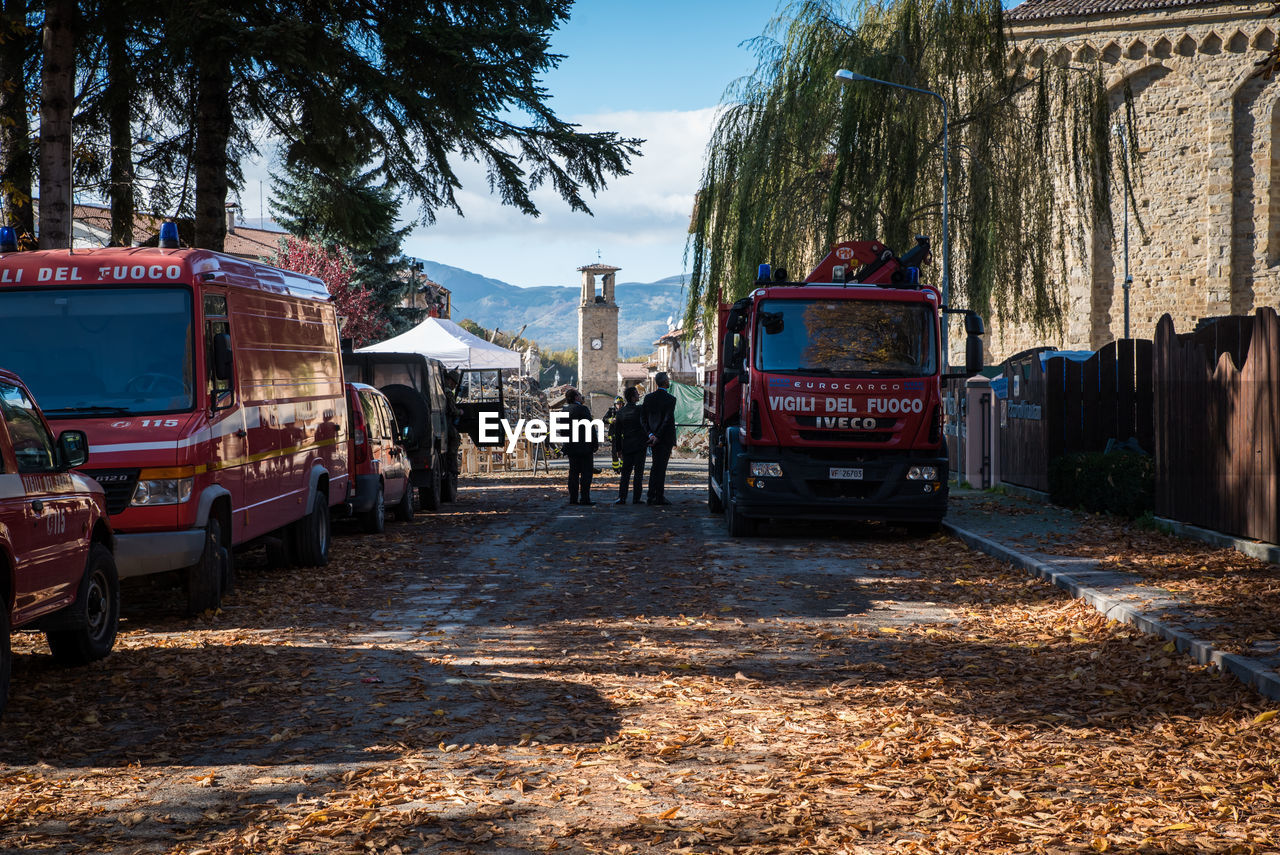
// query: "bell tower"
[[598, 338]]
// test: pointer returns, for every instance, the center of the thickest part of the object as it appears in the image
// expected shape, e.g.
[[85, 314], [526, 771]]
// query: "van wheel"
[[93, 618], [405, 509], [205, 577], [311, 534], [449, 487], [374, 520], [429, 494], [6, 656]]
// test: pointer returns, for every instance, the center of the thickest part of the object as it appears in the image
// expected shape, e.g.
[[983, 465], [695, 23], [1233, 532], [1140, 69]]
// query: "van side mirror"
[[73, 446], [223, 362]]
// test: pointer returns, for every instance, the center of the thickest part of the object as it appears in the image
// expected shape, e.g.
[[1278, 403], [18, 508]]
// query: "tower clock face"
[[597, 343]]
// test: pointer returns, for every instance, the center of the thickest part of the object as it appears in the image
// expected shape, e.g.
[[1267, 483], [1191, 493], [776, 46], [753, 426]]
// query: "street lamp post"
[[844, 75], [1121, 131]]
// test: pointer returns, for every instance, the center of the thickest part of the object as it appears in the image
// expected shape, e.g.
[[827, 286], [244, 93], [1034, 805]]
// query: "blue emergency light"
[[8, 239], [764, 273], [168, 235]]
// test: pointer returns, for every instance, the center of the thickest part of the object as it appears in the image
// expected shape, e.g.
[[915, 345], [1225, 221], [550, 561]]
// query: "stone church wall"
[[1208, 194]]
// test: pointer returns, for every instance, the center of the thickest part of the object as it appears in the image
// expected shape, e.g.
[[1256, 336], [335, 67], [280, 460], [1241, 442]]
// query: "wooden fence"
[[1216, 419], [1063, 406]]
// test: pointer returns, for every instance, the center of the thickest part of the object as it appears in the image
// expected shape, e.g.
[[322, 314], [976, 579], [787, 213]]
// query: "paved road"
[[519, 674]]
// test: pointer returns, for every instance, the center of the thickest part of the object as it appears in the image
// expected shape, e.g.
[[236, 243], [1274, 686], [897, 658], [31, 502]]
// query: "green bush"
[[1122, 482]]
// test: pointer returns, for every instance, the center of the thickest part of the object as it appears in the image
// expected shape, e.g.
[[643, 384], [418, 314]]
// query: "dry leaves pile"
[[539, 679], [1231, 599]]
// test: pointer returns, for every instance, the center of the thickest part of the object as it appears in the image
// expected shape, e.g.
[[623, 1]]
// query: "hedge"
[[1121, 482]]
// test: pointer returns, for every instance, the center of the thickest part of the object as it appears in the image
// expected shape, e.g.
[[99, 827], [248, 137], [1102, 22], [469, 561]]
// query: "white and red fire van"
[[210, 389]]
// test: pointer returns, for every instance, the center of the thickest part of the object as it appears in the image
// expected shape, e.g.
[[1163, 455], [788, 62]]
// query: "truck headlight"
[[766, 470], [161, 491], [922, 473]]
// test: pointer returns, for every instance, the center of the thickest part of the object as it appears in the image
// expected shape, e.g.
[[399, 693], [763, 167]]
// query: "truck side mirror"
[[223, 362], [973, 323], [973, 353], [74, 448]]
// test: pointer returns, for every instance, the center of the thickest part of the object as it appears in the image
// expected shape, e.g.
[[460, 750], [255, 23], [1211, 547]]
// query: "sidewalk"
[[1215, 604]]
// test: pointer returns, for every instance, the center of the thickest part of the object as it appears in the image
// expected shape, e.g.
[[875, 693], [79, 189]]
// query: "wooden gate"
[[1024, 457], [1217, 412]]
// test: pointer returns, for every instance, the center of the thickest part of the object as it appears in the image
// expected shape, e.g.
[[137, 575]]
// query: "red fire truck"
[[825, 403], [210, 389]]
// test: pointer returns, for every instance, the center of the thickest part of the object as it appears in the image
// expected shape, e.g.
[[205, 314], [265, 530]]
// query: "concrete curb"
[[1249, 671]]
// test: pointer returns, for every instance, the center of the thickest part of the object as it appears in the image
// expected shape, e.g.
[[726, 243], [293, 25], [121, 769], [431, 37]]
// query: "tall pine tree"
[[346, 207]]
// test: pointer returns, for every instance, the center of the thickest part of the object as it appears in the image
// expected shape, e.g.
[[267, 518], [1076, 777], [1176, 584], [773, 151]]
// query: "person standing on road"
[[632, 442], [659, 414], [615, 440], [580, 449]]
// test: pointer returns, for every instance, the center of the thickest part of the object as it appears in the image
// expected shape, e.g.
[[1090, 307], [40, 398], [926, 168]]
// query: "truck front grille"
[[844, 489], [117, 484], [846, 435]]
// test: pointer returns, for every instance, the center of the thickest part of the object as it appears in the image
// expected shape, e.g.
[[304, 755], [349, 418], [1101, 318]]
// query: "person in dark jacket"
[[659, 414], [580, 449], [615, 446], [632, 440]]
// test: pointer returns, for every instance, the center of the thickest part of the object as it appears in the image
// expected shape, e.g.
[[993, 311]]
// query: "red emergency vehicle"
[[210, 389], [56, 568]]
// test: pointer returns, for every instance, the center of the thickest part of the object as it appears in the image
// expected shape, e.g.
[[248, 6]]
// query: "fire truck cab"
[[210, 389]]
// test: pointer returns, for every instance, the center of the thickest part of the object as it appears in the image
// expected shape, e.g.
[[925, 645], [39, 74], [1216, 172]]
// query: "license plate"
[[846, 474]]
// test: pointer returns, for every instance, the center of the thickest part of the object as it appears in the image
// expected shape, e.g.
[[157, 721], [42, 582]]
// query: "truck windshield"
[[854, 338], [100, 351]]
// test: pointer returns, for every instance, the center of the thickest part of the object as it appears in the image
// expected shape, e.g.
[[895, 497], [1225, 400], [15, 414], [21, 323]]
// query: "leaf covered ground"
[[517, 675]]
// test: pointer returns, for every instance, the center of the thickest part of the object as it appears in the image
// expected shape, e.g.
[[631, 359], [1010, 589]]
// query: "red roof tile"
[[1039, 10]]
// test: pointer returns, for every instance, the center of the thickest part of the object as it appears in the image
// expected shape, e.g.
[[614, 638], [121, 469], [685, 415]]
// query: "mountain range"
[[551, 312]]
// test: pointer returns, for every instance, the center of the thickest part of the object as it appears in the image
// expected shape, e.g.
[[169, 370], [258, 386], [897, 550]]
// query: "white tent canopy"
[[451, 344]]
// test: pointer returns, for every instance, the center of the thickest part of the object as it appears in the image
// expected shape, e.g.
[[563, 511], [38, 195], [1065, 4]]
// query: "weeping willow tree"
[[797, 162]]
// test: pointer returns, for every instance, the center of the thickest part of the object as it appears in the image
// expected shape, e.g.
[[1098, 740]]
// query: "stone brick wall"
[[1208, 194]]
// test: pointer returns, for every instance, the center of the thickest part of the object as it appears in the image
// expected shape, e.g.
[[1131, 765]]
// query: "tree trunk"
[[57, 93], [16, 171], [120, 130], [213, 132]]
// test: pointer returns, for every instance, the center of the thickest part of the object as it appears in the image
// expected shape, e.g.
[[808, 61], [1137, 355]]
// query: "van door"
[[56, 518], [229, 447]]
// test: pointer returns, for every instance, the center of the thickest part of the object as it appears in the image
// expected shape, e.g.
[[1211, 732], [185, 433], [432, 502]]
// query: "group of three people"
[[638, 427]]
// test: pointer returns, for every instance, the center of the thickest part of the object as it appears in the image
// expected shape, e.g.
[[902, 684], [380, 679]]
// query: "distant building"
[[598, 337], [632, 374], [679, 357]]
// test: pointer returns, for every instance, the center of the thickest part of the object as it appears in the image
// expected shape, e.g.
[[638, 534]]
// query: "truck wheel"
[[92, 619], [924, 529], [374, 520], [449, 487], [714, 504], [404, 510], [205, 577], [311, 534], [739, 525], [429, 494], [6, 656]]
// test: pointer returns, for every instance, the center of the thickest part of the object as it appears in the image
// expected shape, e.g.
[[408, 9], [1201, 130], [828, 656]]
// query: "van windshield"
[[100, 351], [851, 338]]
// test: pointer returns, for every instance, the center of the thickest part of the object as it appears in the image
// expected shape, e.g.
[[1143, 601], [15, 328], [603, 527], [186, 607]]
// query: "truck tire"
[[739, 525], [311, 533], [411, 411], [204, 578], [404, 510], [374, 520], [714, 504], [6, 656], [429, 493], [89, 631]]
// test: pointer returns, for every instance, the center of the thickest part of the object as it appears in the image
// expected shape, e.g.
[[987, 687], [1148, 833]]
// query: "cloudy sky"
[[654, 69]]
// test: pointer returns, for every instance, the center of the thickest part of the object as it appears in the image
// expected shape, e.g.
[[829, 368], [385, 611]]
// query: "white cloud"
[[640, 220]]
